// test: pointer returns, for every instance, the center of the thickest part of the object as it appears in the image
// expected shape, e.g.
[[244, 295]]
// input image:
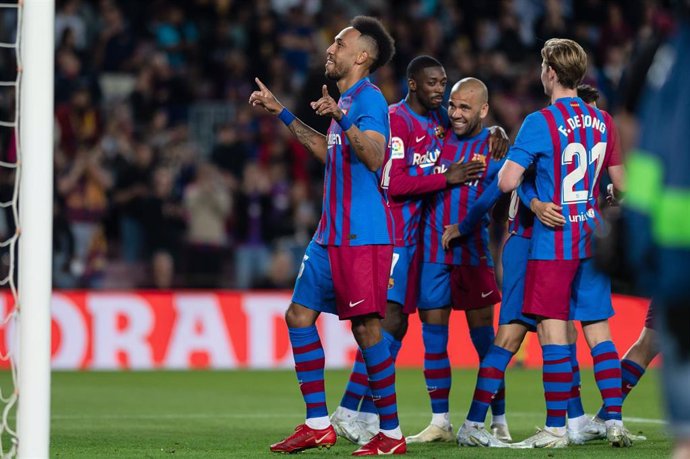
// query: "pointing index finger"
[[324, 91], [260, 84]]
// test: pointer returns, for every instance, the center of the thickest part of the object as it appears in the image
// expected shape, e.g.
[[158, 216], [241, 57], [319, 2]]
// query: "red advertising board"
[[233, 329]]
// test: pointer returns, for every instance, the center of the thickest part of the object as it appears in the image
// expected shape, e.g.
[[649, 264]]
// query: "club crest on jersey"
[[391, 283], [479, 157], [440, 132]]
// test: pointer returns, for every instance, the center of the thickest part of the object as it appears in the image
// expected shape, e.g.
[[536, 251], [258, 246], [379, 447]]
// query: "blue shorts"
[[590, 297], [402, 273], [515, 253], [434, 286], [314, 285]]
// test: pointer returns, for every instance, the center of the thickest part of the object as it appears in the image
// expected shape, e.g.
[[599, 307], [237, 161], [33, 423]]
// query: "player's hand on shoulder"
[[327, 106], [449, 233], [548, 213], [462, 172], [498, 142], [265, 98]]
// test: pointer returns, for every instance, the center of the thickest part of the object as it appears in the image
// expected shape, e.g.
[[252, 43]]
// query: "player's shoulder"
[[371, 93], [538, 119], [606, 116], [398, 110]]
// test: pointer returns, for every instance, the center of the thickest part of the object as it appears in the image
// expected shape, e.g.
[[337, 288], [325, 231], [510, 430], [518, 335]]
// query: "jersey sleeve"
[[480, 208], [373, 116], [532, 139], [527, 191]]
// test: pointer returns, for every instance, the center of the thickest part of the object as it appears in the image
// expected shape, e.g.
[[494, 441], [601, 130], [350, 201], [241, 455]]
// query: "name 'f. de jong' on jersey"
[[571, 143]]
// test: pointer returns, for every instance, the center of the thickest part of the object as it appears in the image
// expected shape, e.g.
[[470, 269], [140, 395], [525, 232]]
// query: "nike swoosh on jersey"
[[419, 139], [484, 295], [352, 305]]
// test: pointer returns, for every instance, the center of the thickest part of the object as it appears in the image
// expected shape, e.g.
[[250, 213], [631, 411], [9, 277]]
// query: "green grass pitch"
[[239, 413]]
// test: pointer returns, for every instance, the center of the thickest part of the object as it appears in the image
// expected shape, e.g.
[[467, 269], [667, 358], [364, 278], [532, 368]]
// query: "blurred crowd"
[[166, 178]]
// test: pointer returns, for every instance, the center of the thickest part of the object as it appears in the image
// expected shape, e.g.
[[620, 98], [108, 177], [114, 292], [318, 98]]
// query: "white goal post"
[[36, 222]]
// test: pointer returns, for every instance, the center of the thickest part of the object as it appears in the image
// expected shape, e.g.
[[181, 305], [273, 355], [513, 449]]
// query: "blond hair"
[[567, 59]]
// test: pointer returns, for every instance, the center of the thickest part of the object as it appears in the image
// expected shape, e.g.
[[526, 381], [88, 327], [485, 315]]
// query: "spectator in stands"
[[132, 189], [207, 204]]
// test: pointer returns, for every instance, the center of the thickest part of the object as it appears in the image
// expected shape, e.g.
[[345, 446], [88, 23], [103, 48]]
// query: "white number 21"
[[584, 159]]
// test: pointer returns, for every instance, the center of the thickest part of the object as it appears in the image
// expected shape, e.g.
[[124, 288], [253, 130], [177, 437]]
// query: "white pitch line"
[[279, 415]]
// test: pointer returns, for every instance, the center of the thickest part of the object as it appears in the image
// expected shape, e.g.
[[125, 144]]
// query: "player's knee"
[[483, 317], [395, 321], [509, 342], [298, 316]]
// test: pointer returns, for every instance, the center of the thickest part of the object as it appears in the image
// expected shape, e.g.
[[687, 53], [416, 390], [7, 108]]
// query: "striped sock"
[[309, 365], [482, 338], [575, 408], [393, 344], [607, 373], [436, 366], [357, 386], [631, 374], [558, 381], [489, 379], [368, 405], [381, 372]]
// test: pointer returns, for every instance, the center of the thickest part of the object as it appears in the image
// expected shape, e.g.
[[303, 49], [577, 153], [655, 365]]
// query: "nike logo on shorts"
[[484, 295], [352, 305]]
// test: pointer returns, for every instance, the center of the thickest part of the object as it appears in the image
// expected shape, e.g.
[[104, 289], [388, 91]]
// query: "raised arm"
[[369, 146], [313, 141]]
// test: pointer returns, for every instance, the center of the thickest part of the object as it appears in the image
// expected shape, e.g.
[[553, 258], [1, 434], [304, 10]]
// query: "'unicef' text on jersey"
[[354, 210]]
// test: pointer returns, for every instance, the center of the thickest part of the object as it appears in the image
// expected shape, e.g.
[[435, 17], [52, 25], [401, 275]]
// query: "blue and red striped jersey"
[[409, 173], [355, 211], [452, 205], [570, 142]]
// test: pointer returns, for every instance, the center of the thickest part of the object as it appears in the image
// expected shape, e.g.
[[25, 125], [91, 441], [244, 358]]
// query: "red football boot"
[[304, 438], [382, 445]]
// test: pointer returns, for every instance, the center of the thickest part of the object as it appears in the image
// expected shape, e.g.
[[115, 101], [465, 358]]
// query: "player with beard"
[[346, 265], [418, 127]]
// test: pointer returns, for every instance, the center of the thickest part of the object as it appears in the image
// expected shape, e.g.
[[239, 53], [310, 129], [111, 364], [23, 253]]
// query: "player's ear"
[[362, 57], [484, 111], [412, 84]]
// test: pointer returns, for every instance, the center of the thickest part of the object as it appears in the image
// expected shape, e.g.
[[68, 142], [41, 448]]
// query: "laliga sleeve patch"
[[397, 148]]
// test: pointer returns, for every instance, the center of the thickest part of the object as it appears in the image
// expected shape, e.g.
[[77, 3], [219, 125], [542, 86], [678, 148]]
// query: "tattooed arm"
[[369, 146], [313, 141]]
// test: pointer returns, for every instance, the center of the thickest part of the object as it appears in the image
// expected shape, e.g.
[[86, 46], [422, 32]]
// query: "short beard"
[[332, 76]]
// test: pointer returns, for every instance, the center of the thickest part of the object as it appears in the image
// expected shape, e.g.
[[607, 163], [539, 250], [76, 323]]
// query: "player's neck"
[[416, 106], [559, 92], [350, 80]]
